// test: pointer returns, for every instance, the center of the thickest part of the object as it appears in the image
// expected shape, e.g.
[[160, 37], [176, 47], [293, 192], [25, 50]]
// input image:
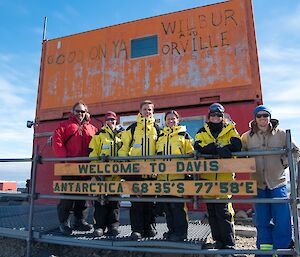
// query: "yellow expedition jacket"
[[174, 140], [143, 141], [105, 142], [205, 137]]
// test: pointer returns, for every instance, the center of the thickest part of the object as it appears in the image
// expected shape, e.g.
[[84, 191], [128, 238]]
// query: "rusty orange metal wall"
[[205, 54]]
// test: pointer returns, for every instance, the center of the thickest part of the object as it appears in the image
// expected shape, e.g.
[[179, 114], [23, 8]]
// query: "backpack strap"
[[132, 128], [67, 140]]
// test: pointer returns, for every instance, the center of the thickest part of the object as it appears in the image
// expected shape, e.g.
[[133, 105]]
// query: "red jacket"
[[78, 137]]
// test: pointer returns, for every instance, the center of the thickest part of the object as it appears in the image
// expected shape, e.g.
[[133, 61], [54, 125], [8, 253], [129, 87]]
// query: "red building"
[[8, 186]]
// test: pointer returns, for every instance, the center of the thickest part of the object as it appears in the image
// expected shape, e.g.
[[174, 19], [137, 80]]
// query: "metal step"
[[197, 235]]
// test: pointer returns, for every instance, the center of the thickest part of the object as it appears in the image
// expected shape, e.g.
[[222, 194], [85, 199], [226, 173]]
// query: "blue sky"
[[277, 30]]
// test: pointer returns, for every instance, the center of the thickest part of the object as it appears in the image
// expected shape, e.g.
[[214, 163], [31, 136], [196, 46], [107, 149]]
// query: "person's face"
[[262, 119], [79, 111], [112, 123], [147, 110], [171, 120], [216, 117]]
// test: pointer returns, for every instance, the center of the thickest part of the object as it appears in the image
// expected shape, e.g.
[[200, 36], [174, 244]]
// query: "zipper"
[[145, 137], [168, 151], [111, 148]]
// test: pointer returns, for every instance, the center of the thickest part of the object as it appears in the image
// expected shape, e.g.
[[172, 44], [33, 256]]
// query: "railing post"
[[31, 200], [293, 190], [195, 177]]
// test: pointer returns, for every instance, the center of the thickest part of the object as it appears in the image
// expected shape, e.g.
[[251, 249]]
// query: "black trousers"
[[65, 206], [106, 215], [142, 217], [177, 218], [221, 223]]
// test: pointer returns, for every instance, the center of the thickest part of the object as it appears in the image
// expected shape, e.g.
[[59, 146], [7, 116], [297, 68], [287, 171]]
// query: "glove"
[[224, 152], [209, 149]]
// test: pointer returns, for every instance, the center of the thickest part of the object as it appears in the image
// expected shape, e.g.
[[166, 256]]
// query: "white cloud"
[[279, 73], [72, 11], [274, 52], [285, 112], [279, 56], [293, 20], [15, 171], [18, 103]]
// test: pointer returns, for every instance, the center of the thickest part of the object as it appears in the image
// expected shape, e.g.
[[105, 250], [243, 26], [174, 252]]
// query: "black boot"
[[82, 225], [65, 228]]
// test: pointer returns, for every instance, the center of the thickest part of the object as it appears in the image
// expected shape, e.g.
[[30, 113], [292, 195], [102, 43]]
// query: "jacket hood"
[[107, 129], [74, 119], [174, 130], [141, 120]]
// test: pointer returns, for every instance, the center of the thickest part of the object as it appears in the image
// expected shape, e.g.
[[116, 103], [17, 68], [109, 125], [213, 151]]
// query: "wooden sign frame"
[[177, 187], [237, 165]]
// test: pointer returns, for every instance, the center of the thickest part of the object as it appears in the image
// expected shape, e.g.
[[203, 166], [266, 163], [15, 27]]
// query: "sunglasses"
[[216, 114], [80, 111], [265, 115]]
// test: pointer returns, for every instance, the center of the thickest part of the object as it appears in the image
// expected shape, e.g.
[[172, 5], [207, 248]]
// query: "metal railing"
[[29, 235]]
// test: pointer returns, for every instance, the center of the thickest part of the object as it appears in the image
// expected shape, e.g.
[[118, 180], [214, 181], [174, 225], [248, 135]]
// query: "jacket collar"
[[74, 119], [142, 121], [226, 129], [174, 130], [273, 127], [107, 129]]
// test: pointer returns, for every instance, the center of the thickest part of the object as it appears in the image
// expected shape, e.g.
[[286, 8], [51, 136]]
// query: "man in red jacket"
[[71, 139]]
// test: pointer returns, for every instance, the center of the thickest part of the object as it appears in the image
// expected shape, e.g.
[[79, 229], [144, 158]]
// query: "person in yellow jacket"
[[106, 142], [139, 139], [174, 139], [220, 138]]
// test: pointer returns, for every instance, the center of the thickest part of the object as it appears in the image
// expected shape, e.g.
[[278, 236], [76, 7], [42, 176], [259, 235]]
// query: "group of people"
[[77, 137]]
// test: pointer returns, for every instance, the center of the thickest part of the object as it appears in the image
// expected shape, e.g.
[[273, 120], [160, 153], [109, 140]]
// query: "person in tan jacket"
[[273, 221]]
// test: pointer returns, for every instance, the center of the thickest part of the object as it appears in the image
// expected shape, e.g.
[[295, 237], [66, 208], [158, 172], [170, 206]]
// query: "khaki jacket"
[[270, 170]]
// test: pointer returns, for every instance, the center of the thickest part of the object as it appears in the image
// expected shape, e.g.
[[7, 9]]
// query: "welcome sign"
[[177, 187], [241, 165]]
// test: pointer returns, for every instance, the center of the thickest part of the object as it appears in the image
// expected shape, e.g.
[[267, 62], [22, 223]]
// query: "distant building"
[[8, 185]]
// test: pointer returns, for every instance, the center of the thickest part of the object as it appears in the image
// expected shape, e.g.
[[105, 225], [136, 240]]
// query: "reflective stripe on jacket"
[[173, 140]]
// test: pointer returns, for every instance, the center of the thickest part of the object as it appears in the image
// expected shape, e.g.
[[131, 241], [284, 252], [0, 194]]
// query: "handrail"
[[30, 236], [166, 199], [16, 160], [275, 151]]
